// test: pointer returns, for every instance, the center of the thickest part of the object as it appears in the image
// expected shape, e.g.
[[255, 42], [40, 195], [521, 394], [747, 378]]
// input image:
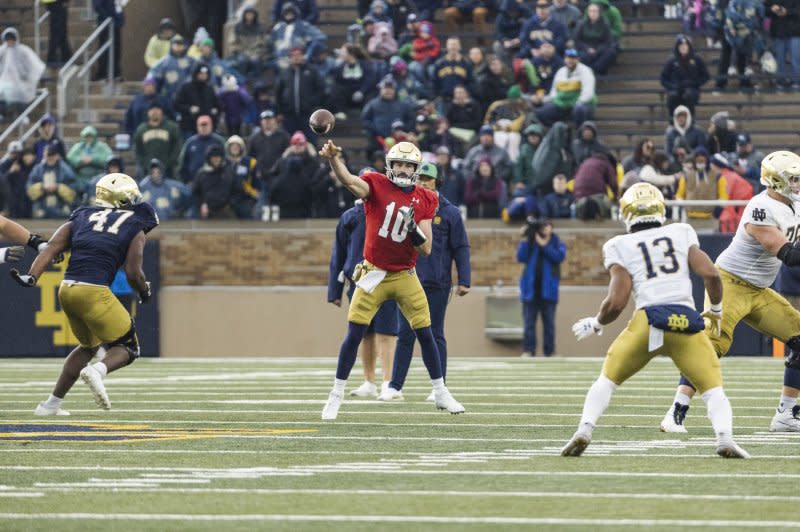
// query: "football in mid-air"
[[321, 121]]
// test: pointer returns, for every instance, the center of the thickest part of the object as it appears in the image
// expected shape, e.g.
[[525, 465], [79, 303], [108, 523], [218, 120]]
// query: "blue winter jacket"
[[348, 249], [450, 243], [554, 254]]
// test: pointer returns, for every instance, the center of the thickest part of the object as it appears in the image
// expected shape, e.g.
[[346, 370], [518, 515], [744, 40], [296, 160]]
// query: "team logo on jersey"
[[678, 322], [414, 200], [759, 215]]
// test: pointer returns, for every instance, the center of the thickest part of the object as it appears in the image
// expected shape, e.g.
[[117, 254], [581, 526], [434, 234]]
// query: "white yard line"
[[466, 520]]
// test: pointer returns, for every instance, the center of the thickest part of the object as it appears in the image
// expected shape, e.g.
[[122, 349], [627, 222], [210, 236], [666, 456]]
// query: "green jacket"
[[523, 167], [612, 17], [97, 152], [163, 143]]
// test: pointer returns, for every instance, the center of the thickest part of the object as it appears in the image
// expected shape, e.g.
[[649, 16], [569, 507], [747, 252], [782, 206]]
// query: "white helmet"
[[117, 191], [404, 152], [780, 171], [642, 203]]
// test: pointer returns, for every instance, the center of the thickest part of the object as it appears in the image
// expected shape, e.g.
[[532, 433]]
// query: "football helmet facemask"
[[642, 203], [117, 191], [780, 171], [403, 152]]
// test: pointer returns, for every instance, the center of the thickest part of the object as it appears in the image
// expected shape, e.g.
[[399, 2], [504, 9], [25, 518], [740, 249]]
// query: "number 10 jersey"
[[657, 260], [386, 241], [100, 240]]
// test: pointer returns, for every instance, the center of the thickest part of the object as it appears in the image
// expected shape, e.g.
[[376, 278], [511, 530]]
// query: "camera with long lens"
[[533, 226]]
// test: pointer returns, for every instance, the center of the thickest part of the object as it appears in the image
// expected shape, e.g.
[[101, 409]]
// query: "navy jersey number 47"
[[100, 238]]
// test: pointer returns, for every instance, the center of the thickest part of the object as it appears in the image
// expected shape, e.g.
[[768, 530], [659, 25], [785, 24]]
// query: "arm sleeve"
[[460, 245], [338, 254], [612, 255]]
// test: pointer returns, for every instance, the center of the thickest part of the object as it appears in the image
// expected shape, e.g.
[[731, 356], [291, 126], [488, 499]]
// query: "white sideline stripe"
[[428, 493], [407, 519], [337, 469]]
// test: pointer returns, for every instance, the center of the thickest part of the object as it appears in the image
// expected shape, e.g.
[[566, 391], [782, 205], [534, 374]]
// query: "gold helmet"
[[642, 203], [780, 171], [405, 152], [117, 191]]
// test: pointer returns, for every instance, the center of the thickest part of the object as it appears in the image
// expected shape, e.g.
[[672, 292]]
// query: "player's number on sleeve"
[[100, 219], [663, 244], [399, 229]]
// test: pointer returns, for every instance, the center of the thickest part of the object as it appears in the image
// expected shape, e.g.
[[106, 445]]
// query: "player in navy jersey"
[[102, 238], [398, 227]]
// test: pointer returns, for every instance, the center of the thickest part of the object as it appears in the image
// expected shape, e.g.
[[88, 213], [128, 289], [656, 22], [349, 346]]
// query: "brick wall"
[[300, 257]]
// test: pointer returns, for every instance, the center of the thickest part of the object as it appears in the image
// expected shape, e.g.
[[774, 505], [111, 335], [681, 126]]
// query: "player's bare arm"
[[353, 183], [13, 231], [426, 226], [701, 264], [619, 291], [59, 243], [133, 267]]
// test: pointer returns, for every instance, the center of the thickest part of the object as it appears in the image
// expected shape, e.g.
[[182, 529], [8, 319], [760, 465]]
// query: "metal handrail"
[[67, 72], [41, 95], [37, 23], [681, 213]]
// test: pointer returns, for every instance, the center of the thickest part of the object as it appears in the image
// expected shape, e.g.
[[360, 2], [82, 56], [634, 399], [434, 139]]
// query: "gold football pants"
[[692, 353], [95, 314], [404, 287]]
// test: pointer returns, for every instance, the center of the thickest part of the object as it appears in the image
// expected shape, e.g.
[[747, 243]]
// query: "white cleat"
[[577, 444], [445, 401], [94, 381], [730, 450], [672, 422], [432, 397], [367, 389], [44, 410], [786, 421], [331, 408], [390, 394]]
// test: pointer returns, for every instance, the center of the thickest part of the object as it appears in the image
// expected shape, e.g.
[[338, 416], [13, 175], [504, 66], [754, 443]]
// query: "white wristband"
[[716, 308]]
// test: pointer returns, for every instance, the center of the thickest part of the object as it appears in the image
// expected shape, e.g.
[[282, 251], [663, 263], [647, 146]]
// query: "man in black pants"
[[58, 48]]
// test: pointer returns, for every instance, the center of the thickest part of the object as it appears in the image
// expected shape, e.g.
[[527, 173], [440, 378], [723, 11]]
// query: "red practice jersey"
[[386, 242]]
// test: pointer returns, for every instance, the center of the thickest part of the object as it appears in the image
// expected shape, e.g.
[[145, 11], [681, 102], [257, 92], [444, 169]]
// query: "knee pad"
[[130, 342]]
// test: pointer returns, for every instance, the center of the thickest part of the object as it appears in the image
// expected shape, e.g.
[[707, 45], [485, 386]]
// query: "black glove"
[[417, 236], [11, 254], [28, 281], [144, 295], [38, 243]]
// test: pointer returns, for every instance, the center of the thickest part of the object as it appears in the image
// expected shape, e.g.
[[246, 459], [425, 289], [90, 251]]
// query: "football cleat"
[[390, 394], [577, 444], [94, 381], [431, 397], [673, 420], [786, 420], [44, 410], [730, 450], [367, 389], [445, 401], [331, 408]]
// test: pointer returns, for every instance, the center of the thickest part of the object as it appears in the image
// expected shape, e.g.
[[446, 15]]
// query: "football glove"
[[11, 254], [144, 295], [28, 281], [586, 327], [714, 316], [417, 236], [38, 243]]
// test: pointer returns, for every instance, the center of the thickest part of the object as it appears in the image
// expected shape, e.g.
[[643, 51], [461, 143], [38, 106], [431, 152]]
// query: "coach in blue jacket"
[[542, 252], [348, 251], [450, 243]]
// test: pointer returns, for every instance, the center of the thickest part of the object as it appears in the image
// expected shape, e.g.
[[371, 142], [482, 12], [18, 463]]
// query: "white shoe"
[[444, 401], [94, 381], [340, 116], [367, 389], [44, 410], [577, 444], [729, 449], [432, 397], [526, 354], [672, 422], [390, 394], [786, 421], [331, 408]]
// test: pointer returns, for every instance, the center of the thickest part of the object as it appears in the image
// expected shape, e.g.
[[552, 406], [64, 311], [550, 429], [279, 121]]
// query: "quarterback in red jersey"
[[398, 227]]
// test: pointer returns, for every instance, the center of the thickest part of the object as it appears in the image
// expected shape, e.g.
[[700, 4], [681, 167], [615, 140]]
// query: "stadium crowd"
[[508, 122]]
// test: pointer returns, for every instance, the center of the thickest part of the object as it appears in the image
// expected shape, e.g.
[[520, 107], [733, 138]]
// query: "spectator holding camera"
[[542, 252]]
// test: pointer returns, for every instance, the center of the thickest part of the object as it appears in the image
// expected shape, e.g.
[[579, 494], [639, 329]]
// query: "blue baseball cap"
[[571, 52]]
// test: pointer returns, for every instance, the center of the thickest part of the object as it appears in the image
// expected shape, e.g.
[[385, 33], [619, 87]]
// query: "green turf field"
[[238, 444]]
